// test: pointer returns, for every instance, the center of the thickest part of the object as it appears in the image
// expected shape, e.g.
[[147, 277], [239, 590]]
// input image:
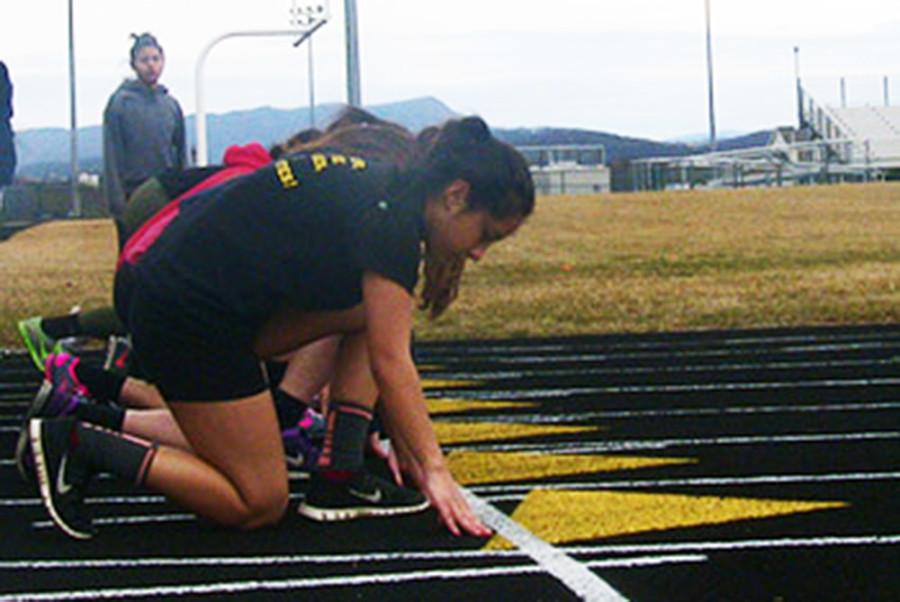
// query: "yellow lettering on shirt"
[[338, 160], [319, 161], [285, 174], [357, 163]]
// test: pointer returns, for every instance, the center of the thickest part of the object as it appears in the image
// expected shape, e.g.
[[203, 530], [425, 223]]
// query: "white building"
[[568, 169]]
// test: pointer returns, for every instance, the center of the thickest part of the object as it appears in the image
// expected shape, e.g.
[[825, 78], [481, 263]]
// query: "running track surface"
[[764, 466]]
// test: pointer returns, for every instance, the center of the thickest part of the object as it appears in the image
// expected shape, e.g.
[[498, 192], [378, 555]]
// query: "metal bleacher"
[[831, 144], [875, 131]]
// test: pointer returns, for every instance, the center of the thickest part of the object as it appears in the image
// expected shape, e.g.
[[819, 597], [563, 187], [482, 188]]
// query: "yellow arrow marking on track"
[[432, 383], [566, 516], [467, 432], [429, 367], [470, 468], [443, 405]]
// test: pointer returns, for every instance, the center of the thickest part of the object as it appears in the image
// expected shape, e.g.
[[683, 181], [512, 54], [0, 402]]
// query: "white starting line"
[[662, 553]]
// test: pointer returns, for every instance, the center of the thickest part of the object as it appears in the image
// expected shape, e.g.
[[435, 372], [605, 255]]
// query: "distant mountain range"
[[43, 153]]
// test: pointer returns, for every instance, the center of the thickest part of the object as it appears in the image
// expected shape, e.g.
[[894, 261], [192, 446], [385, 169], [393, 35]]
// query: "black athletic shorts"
[[189, 357], [123, 289]]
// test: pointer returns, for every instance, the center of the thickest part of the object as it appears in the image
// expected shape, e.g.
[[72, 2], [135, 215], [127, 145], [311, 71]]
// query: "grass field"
[[609, 263]]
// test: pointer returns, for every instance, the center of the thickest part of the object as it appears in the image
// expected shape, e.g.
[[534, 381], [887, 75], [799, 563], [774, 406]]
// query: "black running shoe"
[[51, 400], [62, 477], [364, 495]]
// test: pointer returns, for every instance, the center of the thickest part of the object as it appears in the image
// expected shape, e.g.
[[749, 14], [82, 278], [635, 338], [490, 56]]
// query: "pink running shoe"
[[60, 370], [313, 423]]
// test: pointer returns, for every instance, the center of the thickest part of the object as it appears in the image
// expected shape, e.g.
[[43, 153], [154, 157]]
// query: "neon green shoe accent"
[[38, 344]]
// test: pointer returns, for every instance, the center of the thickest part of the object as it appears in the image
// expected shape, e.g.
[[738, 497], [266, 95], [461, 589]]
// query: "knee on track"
[[263, 510]]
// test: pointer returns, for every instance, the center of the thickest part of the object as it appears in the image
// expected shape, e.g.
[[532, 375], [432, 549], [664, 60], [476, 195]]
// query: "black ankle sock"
[[275, 372], [62, 326], [289, 408], [345, 440], [101, 414], [106, 451], [103, 385]]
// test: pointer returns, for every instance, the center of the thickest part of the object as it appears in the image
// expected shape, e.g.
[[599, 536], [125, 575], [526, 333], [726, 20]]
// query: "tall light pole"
[[310, 16], [800, 120], [353, 95], [312, 84], [73, 127], [709, 78]]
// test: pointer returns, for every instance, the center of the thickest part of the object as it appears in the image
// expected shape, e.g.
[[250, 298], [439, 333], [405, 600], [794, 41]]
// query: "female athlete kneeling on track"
[[314, 245]]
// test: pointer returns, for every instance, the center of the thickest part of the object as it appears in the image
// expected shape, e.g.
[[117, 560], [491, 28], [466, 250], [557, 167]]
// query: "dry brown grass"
[[610, 263], [689, 260], [47, 269]]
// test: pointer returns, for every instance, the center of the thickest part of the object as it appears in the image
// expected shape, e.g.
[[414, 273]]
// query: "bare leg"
[[139, 394], [155, 425], [238, 477], [353, 379], [311, 368]]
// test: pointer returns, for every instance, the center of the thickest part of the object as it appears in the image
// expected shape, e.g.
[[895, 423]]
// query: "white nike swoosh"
[[62, 487], [294, 461], [369, 497]]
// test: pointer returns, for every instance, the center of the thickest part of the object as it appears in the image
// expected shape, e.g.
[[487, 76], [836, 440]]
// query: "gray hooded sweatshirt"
[[143, 134]]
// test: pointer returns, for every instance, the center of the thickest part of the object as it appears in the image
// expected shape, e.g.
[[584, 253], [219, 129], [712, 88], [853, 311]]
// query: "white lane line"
[[667, 369], [645, 444], [573, 574], [127, 500], [675, 413], [115, 500], [276, 560], [520, 490], [559, 392], [236, 587], [824, 340], [502, 356], [667, 413], [822, 541], [671, 412], [127, 520]]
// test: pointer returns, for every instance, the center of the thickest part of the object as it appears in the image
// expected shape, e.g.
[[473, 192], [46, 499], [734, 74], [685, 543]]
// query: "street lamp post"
[[709, 78], [73, 127], [312, 85], [801, 122], [353, 94]]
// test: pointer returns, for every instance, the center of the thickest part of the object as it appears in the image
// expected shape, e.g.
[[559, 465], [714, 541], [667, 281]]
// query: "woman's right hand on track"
[[445, 496]]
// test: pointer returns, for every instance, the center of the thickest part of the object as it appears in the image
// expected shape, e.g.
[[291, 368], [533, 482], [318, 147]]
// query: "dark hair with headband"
[[499, 179], [144, 40], [500, 184]]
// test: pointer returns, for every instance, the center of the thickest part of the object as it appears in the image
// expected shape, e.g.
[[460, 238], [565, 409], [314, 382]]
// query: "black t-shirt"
[[298, 233], [176, 182]]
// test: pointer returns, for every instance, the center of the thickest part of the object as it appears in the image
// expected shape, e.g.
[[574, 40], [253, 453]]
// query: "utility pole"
[[73, 127], [709, 78], [353, 95], [801, 122]]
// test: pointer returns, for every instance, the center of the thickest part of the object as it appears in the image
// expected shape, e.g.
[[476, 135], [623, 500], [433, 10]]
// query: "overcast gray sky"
[[631, 67]]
